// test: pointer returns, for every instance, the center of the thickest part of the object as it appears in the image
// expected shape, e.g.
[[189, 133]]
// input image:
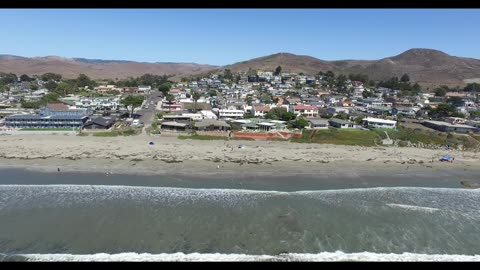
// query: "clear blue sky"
[[225, 36]]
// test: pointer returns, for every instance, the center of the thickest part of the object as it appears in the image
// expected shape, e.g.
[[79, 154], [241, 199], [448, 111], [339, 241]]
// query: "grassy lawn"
[[48, 129], [106, 134], [339, 136], [203, 137], [413, 135], [476, 137], [240, 139]]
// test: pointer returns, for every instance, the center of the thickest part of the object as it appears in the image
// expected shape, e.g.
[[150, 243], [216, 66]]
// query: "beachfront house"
[[448, 127], [211, 125], [99, 123], [340, 123], [318, 123], [371, 122]]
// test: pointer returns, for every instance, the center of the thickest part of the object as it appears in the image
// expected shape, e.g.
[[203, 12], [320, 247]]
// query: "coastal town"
[[250, 105], [272, 135]]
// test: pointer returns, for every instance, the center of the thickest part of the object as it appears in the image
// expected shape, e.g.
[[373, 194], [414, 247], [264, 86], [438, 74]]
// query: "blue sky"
[[225, 36]]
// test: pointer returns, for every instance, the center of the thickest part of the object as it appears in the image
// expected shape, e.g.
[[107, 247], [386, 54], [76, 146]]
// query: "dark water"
[[87, 219]]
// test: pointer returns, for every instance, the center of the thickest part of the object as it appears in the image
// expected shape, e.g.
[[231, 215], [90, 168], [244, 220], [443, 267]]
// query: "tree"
[[133, 101], [330, 74], [25, 78], [33, 86], [358, 120], [51, 85], [51, 76], [341, 80], [443, 110], [7, 78], [405, 78], [227, 74], [358, 77], [195, 96], [280, 113], [248, 115], [341, 115], [278, 70], [212, 93], [170, 98], [440, 92], [416, 87], [249, 100], [454, 100], [300, 123], [64, 88], [83, 80], [472, 87], [367, 94], [164, 88]]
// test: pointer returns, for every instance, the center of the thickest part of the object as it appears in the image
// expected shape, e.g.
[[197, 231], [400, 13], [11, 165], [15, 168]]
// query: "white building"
[[226, 113], [379, 123]]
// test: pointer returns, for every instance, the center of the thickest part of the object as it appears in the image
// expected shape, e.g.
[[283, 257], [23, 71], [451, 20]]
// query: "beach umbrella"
[[151, 143]]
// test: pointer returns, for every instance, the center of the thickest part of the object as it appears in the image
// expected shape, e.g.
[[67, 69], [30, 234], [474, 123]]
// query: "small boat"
[[447, 158]]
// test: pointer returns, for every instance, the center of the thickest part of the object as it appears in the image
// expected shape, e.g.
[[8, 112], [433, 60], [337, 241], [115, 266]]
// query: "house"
[[318, 123], [226, 113], [371, 122], [340, 123], [184, 119], [448, 127], [455, 120], [144, 89], [99, 123], [335, 110], [407, 111], [173, 126], [210, 124], [200, 106], [262, 124], [345, 103], [175, 92], [104, 88], [260, 111], [305, 110]]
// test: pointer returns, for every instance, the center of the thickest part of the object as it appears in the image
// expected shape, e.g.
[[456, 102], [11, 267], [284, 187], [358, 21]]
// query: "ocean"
[[71, 216]]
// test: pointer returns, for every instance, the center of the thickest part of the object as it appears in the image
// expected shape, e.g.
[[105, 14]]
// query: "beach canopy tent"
[[447, 158]]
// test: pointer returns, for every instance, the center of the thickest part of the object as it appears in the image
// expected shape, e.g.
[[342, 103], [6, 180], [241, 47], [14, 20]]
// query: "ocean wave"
[[289, 257], [413, 207]]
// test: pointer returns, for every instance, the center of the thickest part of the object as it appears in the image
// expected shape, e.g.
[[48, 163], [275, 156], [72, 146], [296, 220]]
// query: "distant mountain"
[[422, 65], [95, 68], [426, 66], [99, 61]]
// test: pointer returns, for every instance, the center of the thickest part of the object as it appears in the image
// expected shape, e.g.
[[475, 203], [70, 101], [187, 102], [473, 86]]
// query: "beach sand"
[[134, 155]]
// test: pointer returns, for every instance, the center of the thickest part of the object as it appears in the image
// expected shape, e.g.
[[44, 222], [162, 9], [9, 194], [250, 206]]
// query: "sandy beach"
[[134, 155]]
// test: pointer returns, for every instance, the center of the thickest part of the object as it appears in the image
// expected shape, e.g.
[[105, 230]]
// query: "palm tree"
[[195, 95]]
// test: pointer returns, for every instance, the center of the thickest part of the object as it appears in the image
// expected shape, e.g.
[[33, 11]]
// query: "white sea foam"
[[413, 207], [324, 256]]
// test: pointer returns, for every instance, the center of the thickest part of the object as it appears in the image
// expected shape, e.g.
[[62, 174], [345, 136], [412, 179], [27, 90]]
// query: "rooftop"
[[442, 123]]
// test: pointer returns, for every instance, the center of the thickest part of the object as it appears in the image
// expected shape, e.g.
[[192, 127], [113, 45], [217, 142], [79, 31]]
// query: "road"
[[148, 113]]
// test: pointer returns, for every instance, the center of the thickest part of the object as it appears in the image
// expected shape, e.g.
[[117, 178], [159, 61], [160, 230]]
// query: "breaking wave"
[[291, 257]]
